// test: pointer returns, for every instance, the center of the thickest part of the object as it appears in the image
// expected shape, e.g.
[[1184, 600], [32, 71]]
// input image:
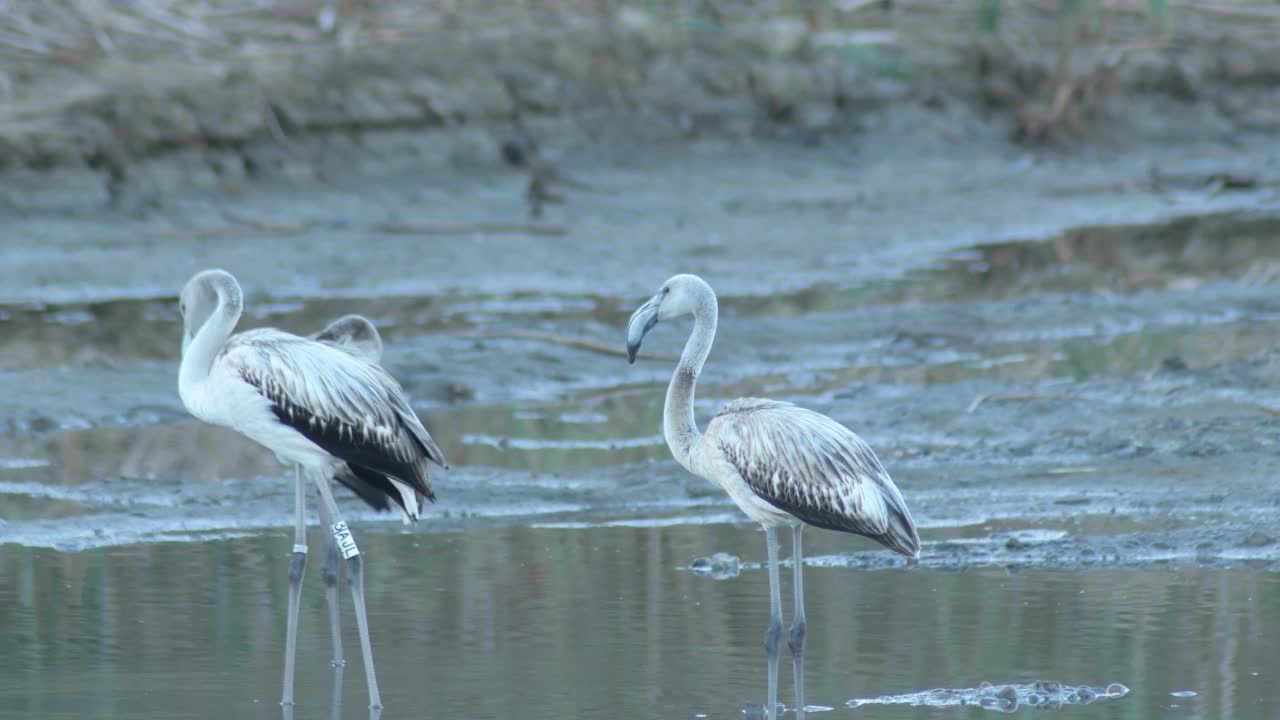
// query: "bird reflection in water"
[[335, 703], [758, 711]]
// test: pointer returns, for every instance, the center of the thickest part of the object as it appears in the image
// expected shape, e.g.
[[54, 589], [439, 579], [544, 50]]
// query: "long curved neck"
[[199, 353], [678, 424]]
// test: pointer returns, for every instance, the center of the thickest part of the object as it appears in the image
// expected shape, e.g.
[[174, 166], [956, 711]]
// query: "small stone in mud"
[[456, 392], [1014, 543], [1257, 538], [1173, 363], [1204, 449], [1072, 501], [516, 151]]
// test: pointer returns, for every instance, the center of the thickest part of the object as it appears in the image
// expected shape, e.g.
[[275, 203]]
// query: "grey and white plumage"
[[354, 334], [813, 469], [323, 405], [313, 404], [351, 409], [783, 465]]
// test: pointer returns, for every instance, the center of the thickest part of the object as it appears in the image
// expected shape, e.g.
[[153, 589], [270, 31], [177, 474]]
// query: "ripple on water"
[[17, 463]]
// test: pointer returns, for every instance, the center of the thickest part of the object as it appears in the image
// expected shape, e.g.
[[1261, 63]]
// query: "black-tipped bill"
[[642, 321]]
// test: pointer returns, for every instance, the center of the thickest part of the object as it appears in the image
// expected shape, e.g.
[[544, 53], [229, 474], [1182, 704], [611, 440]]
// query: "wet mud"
[[1104, 395]]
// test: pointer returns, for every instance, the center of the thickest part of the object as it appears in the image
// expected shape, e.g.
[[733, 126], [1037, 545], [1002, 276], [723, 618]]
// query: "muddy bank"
[[130, 130], [448, 99], [840, 214]]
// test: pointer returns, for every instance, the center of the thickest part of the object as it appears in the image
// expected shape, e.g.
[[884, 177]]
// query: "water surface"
[[521, 622]]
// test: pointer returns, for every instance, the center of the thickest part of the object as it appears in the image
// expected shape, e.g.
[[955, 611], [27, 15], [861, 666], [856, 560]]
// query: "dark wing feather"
[[372, 487], [814, 468], [352, 409], [396, 455]]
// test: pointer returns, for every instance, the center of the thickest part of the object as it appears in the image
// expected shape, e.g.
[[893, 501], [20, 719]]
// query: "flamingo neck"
[[198, 354], [678, 424]]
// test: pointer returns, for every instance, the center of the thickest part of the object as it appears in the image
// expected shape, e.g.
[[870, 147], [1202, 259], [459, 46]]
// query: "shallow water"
[[607, 622]]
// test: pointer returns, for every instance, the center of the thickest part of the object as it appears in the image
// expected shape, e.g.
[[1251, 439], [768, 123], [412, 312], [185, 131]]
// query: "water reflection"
[[1021, 359], [335, 701], [614, 426], [132, 330], [609, 429], [519, 622], [139, 330], [89, 488], [191, 450], [1178, 254], [760, 711]]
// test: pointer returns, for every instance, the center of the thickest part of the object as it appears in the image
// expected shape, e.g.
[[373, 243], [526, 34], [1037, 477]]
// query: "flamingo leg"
[[796, 639], [346, 544], [774, 632], [297, 566], [331, 572], [335, 703]]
